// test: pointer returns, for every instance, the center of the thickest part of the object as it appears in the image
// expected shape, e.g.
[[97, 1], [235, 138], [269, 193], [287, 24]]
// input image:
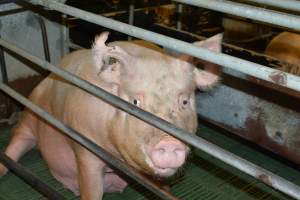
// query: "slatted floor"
[[205, 177]]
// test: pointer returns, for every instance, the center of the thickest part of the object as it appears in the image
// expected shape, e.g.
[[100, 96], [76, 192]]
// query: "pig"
[[285, 47], [149, 79]]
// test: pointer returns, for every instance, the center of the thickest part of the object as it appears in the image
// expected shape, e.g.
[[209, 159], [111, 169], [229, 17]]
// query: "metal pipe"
[[4, 76], [247, 11], [179, 8], [44, 37], [253, 69], [131, 15], [249, 168], [29, 177], [285, 4], [65, 35], [88, 144]]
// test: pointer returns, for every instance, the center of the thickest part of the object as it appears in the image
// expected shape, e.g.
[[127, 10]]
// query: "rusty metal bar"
[[249, 168], [250, 68]]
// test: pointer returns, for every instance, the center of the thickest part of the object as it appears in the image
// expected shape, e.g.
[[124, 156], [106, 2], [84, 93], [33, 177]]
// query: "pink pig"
[[151, 80]]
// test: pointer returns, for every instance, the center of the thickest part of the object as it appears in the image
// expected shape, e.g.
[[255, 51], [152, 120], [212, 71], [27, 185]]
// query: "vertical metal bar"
[[30, 178], [131, 15], [4, 76], [90, 145], [65, 35], [179, 7], [44, 37]]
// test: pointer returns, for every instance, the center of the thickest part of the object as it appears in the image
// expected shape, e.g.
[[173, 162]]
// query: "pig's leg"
[[22, 141], [91, 175]]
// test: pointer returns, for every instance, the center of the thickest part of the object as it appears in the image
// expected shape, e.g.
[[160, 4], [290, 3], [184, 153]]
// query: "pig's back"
[[286, 47]]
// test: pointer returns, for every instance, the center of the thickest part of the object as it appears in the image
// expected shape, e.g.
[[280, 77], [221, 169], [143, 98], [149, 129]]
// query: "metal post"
[[249, 168], [249, 68], [90, 145], [179, 7], [131, 15], [29, 177], [44, 37], [4, 77], [65, 35]]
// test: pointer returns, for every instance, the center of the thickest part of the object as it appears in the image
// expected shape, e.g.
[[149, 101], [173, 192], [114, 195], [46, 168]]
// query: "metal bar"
[[253, 69], [264, 175], [179, 8], [88, 144], [65, 35], [285, 4], [44, 37], [252, 12], [4, 76], [29, 177], [131, 15]]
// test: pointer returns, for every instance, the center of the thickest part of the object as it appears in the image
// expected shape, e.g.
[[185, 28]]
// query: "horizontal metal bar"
[[285, 4], [252, 12], [253, 69], [88, 144], [249, 168], [30, 178]]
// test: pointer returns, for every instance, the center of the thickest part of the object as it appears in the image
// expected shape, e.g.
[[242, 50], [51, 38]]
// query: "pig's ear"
[[213, 43], [107, 57], [205, 80]]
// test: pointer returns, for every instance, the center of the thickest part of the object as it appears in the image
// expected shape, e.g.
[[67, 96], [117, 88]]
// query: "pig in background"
[[151, 80], [286, 47]]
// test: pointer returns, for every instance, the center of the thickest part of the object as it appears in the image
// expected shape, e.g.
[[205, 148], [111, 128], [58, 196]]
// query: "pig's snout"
[[169, 153]]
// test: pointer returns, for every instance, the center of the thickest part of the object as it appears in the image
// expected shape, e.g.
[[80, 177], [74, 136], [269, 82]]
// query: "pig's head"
[[157, 83]]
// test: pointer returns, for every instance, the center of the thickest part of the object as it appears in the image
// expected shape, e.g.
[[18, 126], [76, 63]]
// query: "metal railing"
[[249, 68], [227, 157], [247, 11]]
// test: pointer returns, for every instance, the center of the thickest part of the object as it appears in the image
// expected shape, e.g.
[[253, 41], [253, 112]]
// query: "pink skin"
[[155, 82], [168, 155]]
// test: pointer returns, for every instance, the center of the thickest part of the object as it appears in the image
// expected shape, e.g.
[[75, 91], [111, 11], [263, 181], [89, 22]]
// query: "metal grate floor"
[[204, 178]]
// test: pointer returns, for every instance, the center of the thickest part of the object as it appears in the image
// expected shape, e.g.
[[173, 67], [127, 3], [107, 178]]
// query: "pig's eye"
[[136, 102], [184, 101]]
